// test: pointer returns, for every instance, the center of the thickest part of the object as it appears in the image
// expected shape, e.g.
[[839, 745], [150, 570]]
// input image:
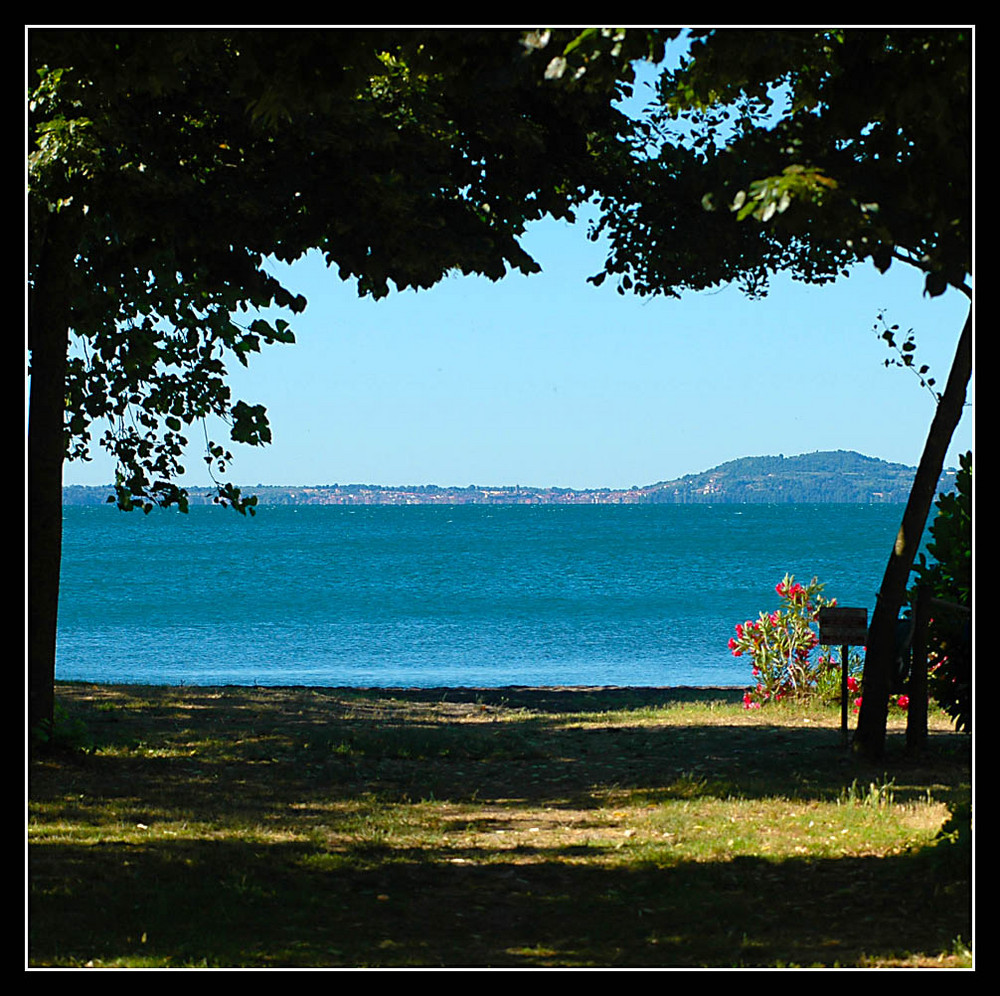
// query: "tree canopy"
[[181, 160], [166, 167], [842, 145]]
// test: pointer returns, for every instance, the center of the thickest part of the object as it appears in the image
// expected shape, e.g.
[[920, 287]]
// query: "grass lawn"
[[493, 827]]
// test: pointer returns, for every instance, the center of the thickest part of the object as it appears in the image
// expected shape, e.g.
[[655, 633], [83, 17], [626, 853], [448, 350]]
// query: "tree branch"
[[925, 268]]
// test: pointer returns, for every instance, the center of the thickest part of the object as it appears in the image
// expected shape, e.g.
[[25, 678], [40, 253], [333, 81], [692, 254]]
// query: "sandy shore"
[[545, 698]]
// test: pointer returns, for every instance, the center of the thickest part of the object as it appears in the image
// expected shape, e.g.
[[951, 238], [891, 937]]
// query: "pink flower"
[[857, 704], [852, 684], [903, 701]]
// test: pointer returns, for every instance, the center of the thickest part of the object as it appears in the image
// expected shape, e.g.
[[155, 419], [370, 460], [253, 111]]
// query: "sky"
[[546, 380]]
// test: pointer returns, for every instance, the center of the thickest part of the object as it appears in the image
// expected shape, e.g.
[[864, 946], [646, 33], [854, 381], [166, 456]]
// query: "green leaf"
[[283, 332], [250, 424], [882, 258], [935, 284]]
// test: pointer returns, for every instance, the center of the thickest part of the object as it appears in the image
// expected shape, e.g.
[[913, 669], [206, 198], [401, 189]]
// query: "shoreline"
[[533, 696]]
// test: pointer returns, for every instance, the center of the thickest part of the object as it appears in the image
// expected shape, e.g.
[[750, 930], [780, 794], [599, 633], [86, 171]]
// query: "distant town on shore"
[[839, 476]]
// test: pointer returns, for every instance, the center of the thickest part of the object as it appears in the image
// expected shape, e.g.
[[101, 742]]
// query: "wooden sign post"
[[849, 628]]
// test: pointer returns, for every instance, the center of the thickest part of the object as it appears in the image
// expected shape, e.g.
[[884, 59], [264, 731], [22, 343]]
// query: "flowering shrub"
[[900, 701], [828, 682], [780, 644]]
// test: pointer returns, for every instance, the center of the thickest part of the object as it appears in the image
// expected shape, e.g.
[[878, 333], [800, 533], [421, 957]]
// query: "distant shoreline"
[[835, 477], [77, 496]]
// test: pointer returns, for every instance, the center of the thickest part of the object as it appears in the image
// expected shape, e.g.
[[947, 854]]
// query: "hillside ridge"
[[827, 476], [817, 477]]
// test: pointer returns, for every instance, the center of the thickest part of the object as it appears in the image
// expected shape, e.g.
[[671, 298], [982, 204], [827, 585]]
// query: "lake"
[[426, 596]]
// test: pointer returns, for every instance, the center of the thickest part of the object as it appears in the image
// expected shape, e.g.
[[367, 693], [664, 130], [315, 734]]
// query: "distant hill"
[[831, 476], [810, 478]]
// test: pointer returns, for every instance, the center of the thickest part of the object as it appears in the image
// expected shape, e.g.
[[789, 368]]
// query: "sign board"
[[843, 627]]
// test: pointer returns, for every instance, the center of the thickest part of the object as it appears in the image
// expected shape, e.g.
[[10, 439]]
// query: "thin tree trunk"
[[48, 339], [869, 738]]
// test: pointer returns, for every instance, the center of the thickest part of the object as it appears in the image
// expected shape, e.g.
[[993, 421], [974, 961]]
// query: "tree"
[[166, 167], [809, 151]]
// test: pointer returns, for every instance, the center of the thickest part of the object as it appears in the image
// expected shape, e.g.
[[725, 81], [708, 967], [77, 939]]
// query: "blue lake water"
[[460, 595]]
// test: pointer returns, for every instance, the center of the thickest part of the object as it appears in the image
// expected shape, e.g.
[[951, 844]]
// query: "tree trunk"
[[869, 739], [48, 340]]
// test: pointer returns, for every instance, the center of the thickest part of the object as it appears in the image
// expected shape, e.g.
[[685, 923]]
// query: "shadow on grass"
[[268, 772], [266, 749], [229, 903]]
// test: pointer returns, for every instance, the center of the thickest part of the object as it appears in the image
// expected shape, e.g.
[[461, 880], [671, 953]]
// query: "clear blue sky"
[[547, 380]]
